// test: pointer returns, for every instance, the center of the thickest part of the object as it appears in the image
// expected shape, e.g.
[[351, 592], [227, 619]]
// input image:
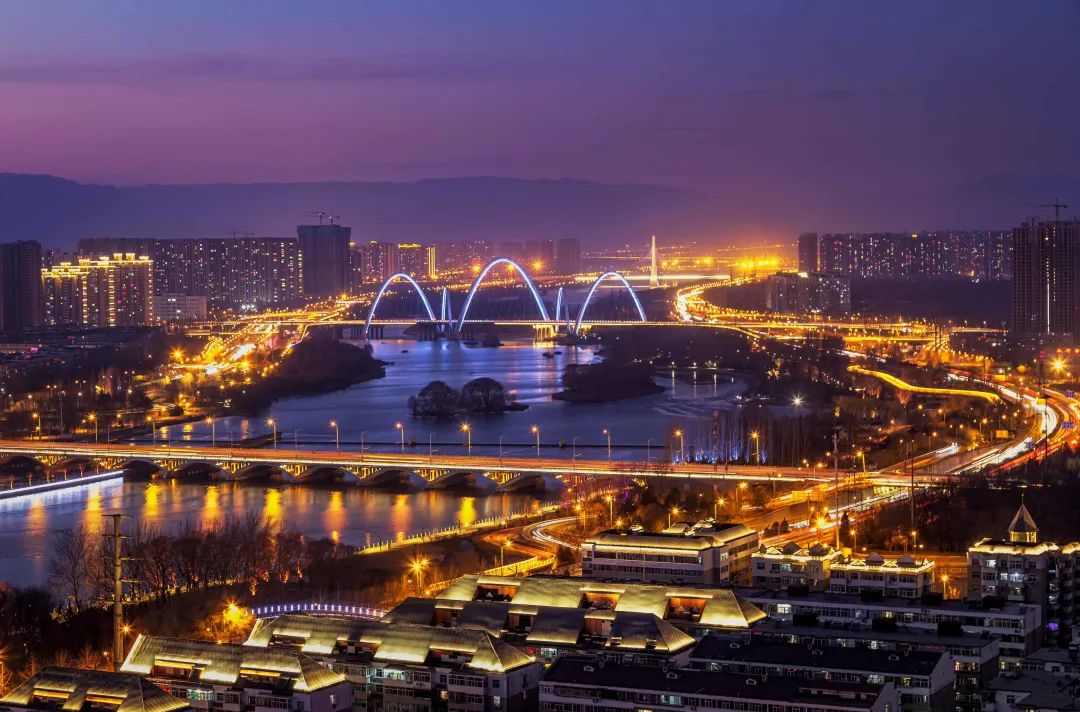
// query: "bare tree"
[[71, 558]]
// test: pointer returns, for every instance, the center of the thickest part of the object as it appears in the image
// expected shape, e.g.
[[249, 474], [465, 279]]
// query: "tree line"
[[249, 550]]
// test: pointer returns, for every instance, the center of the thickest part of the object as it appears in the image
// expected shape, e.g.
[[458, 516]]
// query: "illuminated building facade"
[[975, 255], [814, 293], [103, 291], [229, 272], [1017, 626], [1022, 569], [559, 612], [172, 308], [409, 667], [793, 565], [905, 576], [706, 553], [466, 257], [228, 677], [60, 688], [416, 260], [380, 261], [1046, 278]]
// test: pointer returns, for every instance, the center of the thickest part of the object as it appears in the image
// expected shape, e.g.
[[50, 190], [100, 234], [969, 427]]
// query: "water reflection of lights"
[[467, 512]]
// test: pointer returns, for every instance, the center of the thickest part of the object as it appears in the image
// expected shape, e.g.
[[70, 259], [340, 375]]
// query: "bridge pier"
[[376, 331]]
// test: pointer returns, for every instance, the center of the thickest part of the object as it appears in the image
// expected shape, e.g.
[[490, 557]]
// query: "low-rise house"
[[238, 678], [583, 685], [397, 667], [75, 690]]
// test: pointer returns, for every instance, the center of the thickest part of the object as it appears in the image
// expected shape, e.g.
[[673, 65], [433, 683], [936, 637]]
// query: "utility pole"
[[911, 468], [118, 592], [836, 481]]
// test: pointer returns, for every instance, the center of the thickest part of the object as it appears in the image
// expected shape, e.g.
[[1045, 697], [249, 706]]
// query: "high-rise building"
[[324, 251], [815, 293], [20, 285], [228, 272], [416, 260], [974, 255], [465, 257], [1046, 278], [808, 252], [102, 291], [380, 261], [356, 266], [568, 256]]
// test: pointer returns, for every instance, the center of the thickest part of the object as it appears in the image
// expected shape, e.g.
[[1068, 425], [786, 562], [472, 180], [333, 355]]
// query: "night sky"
[[720, 96]]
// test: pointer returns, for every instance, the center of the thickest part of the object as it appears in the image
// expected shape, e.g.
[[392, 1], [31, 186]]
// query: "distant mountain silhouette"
[[58, 212]]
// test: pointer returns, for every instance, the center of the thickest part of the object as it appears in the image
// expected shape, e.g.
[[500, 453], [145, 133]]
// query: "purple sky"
[[723, 96]]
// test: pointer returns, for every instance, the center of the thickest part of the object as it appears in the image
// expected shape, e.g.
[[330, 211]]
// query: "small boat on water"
[[548, 354]]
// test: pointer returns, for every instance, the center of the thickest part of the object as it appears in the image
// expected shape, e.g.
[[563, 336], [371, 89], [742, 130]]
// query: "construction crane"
[[324, 215], [1057, 205]]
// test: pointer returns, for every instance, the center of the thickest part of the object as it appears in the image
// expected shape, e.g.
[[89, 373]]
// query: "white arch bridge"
[[544, 318]]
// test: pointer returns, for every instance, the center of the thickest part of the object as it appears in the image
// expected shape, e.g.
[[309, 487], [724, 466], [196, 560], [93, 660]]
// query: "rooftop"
[[921, 638], [889, 602], [715, 648], [551, 625], [387, 641], [223, 663], [581, 671], [71, 688], [683, 536], [719, 607]]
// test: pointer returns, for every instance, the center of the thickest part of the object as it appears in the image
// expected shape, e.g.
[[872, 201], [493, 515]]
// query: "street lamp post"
[[337, 435], [273, 429], [610, 508], [467, 429], [673, 513], [500, 449], [93, 419], [213, 431], [648, 450], [682, 444], [573, 448], [362, 448], [608, 434], [717, 503], [401, 427], [757, 446], [536, 431]]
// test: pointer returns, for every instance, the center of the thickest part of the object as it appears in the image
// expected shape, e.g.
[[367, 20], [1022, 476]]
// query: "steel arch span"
[[383, 288], [480, 278], [592, 290]]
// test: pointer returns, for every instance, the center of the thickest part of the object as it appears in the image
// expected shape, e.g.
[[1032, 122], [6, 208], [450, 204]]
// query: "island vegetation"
[[480, 396], [608, 380], [318, 364]]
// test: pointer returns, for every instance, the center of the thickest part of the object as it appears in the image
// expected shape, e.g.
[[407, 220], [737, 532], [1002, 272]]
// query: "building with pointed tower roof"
[[1023, 569]]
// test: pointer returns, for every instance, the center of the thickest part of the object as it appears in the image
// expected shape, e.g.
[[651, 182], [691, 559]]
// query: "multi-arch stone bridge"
[[545, 319], [363, 470]]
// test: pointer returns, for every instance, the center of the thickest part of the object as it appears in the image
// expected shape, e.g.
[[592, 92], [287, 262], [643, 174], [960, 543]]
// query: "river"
[[639, 428]]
